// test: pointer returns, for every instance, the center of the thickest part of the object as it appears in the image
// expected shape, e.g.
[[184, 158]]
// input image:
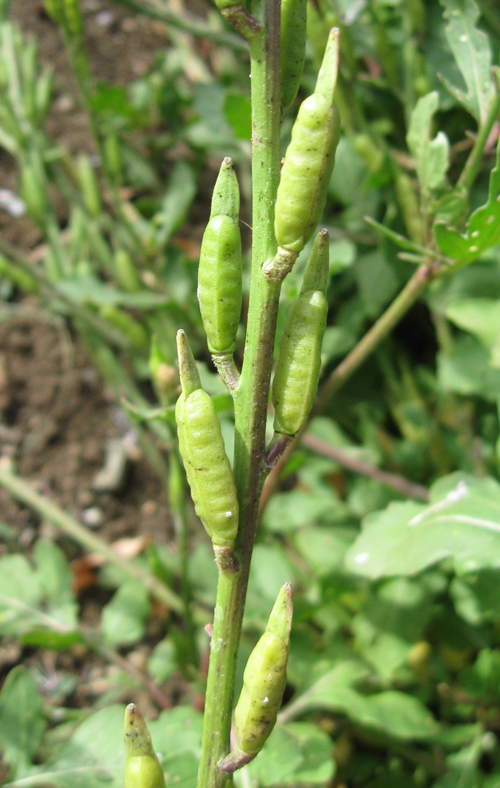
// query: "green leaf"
[[238, 114], [391, 713], [481, 317], [483, 227], [466, 370], [93, 757], [20, 595], [462, 523], [431, 155], [296, 754], [291, 510], [176, 201], [177, 730], [472, 52], [89, 290], [124, 618], [476, 597], [21, 720]]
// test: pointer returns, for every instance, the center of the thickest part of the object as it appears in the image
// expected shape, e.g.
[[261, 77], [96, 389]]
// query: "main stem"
[[252, 397]]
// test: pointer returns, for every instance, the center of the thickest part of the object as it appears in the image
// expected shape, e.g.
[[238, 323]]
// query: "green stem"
[[187, 22], [474, 161], [380, 329], [252, 396]]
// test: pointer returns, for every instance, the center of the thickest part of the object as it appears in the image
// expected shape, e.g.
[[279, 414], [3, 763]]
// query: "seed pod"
[[297, 373], [89, 186], [142, 768], [264, 678], [202, 450], [220, 268], [309, 159], [293, 48]]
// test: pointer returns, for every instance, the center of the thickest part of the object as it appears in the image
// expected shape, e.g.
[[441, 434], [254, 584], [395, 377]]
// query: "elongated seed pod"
[[264, 678], [309, 160], [293, 48], [202, 450], [296, 378], [220, 268], [142, 769]]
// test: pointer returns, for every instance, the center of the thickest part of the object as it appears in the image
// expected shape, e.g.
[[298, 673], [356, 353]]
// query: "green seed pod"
[[220, 268], [297, 373], [202, 450], [293, 48], [142, 768], [89, 186], [264, 678], [309, 160]]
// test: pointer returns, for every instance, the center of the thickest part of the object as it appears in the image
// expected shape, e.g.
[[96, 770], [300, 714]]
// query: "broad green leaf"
[[238, 114], [472, 53], [177, 730], [94, 755], [466, 370], [296, 754], [324, 548], [20, 595], [291, 510], [481, 317], [391, 713], [56, 580], [377, 282], [431, 155], [476, 597], [21, 720], [462, 523], [124, 618], [483, 227]]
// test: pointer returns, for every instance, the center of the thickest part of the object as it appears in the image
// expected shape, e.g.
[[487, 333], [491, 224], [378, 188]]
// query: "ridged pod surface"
[[207, 467], [264, 678], [296, 378], [306, 172], [220, 283], [142, 768]]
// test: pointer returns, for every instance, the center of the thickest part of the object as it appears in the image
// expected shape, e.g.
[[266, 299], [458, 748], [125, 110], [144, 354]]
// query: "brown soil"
[[56, 416]]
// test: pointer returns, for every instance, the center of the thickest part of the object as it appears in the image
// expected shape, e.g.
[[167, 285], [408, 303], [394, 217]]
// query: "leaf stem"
[[474, 160]]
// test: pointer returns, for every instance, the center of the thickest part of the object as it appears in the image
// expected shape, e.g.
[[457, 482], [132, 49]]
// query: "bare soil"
[[56, 417]]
